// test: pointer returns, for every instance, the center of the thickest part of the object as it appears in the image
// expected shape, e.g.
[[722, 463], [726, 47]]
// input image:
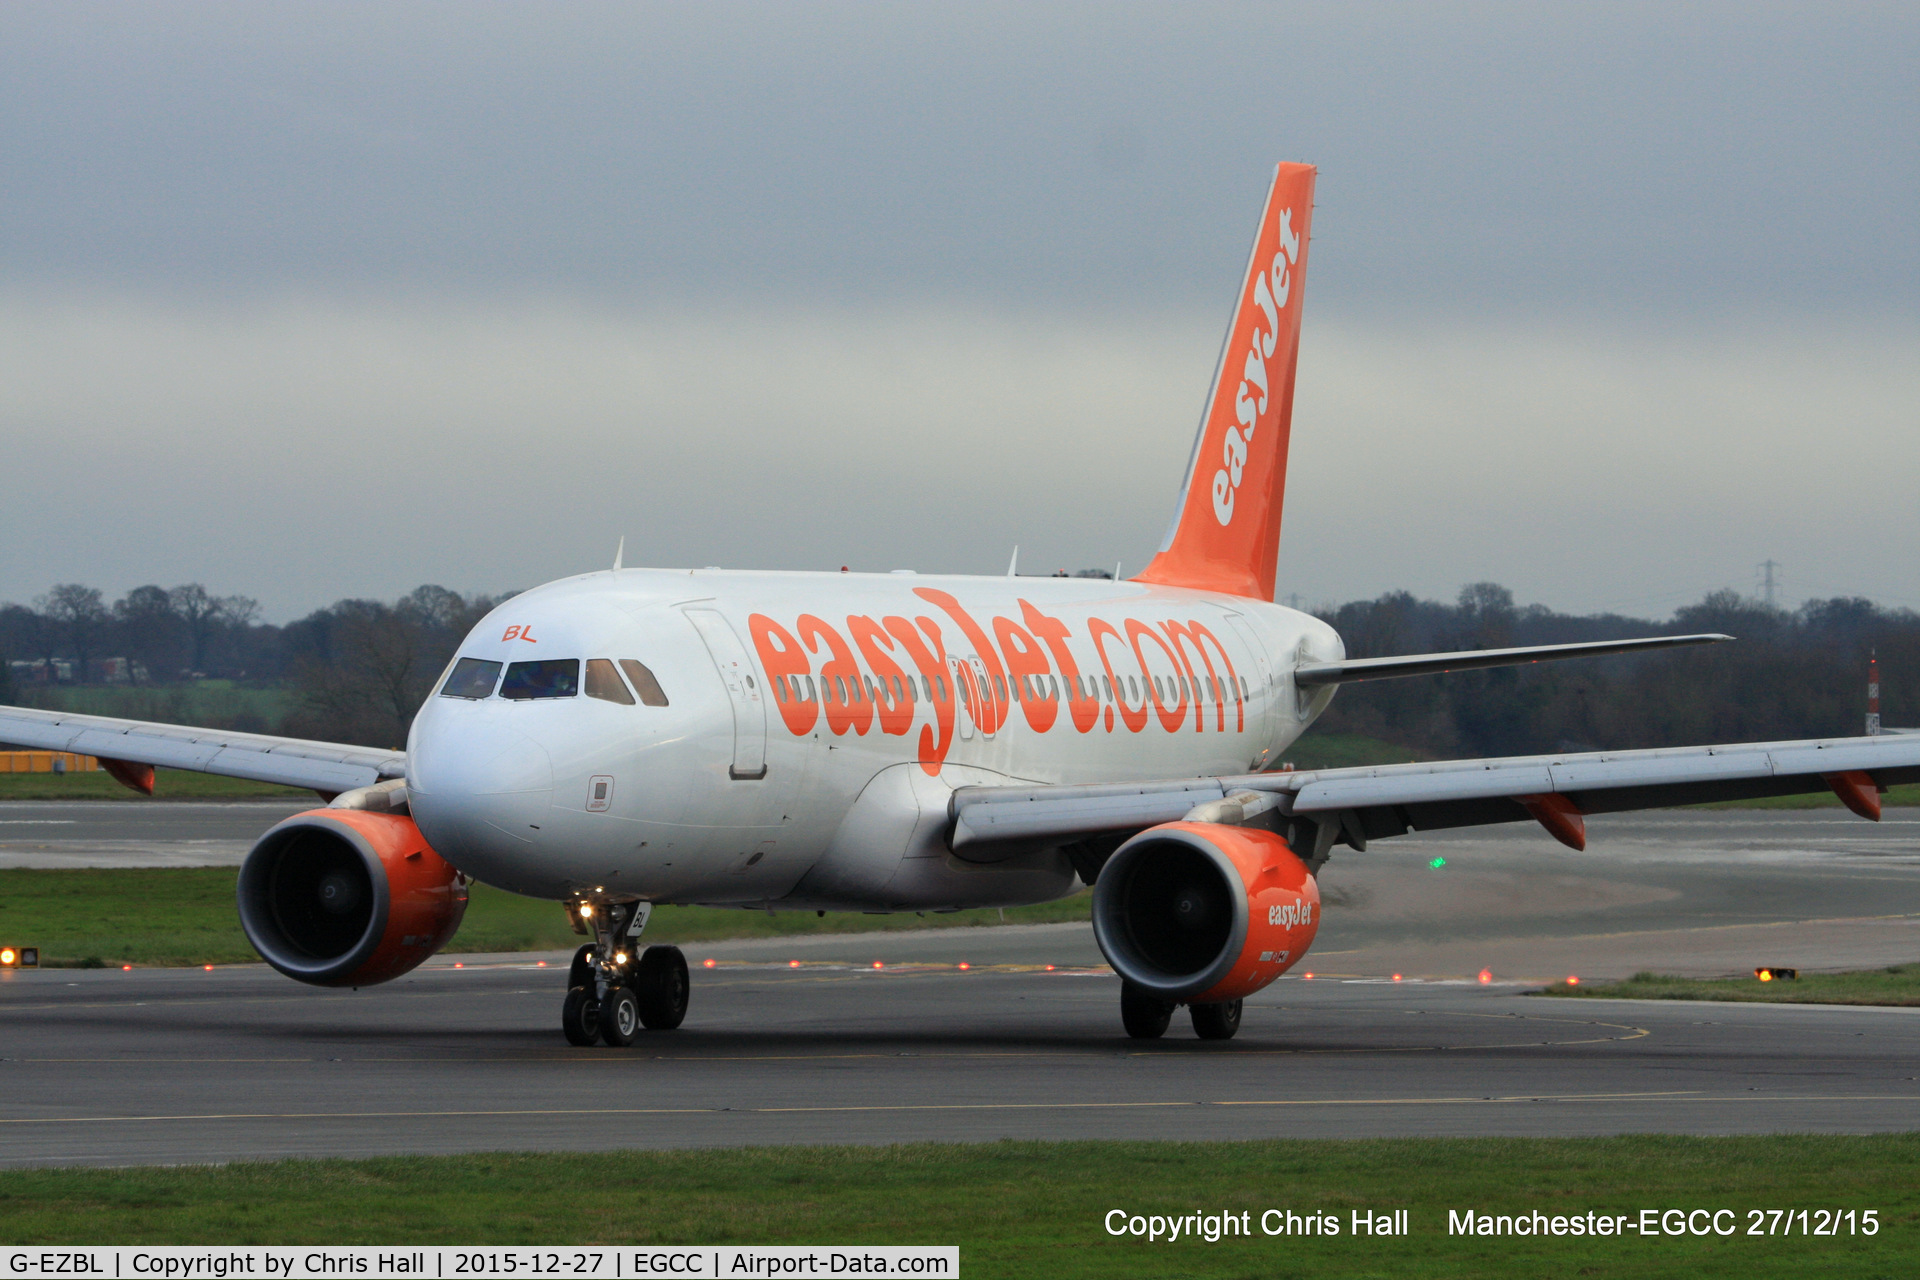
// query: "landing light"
[[619, 957]]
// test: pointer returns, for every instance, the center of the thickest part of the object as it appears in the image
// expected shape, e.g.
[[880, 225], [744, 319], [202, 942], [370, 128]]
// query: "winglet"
[[1226, 530], [620, 553]]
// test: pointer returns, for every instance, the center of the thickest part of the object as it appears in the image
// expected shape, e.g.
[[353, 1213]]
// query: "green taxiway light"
[[1438, 863]]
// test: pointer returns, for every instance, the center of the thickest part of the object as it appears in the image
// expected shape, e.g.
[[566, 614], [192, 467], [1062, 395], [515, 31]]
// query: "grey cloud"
[[1478, 159], [298, 452]]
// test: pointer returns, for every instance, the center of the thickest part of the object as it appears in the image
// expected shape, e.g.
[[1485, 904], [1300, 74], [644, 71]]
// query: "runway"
[[171, 1066], [190, 1065]]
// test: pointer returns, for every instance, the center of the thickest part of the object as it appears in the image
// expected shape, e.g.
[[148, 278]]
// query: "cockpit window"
[[604, 682], [651, 694], [554, 678], [471, 678]]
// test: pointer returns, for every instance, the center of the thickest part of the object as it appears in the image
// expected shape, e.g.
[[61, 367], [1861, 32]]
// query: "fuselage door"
[[1259, 677], [743, 690]]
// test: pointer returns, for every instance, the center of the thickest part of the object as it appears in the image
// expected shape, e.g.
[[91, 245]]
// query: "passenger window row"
[[474, 678], [1209, 689]]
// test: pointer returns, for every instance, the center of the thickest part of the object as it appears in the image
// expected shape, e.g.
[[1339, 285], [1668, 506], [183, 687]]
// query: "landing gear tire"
[[619, 1018], [1145, 1016], [581, 974], [580, 1016], [662, 987], [1216, 1021]]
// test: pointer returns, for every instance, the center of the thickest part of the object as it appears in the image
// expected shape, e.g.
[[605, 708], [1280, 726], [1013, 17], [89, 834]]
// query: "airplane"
[[627, 739]]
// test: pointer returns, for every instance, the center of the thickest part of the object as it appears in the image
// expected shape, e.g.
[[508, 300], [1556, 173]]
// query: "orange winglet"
[[1556, 813], [1857, 790], [130, 774]]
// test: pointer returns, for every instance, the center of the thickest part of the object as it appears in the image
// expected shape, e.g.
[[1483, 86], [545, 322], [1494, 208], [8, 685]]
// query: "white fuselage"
[[816, 724]]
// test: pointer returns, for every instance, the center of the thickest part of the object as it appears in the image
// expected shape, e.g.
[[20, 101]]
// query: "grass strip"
[[1021, 1209], [1906, 794], [186, 916], [168, 784], [1896, 984]]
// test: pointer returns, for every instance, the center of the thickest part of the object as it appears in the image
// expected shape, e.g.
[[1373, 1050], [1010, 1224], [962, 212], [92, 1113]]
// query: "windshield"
[[555, 678], [471, 678]]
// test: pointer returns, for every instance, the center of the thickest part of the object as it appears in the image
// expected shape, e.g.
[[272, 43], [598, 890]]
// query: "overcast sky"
[[1606, 303]]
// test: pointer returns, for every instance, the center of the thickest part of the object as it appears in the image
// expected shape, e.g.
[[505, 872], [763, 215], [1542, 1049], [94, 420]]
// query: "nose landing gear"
[[610, 996]]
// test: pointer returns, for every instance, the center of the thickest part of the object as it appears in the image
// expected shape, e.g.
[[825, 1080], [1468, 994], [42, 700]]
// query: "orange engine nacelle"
[[1201, 913], [347, 897]]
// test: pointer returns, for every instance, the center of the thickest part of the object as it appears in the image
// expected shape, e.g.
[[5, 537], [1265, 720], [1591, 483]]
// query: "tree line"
[[1798, 674], [357, 670]]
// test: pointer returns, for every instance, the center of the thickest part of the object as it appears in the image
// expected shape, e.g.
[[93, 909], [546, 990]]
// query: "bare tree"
[[150, 631], [80, 617], [206, 615]]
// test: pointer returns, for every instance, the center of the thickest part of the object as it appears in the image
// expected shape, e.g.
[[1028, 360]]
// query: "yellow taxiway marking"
[[1690, 1096]]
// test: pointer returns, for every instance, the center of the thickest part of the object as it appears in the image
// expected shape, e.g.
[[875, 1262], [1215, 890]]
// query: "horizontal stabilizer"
[[1310, 674]]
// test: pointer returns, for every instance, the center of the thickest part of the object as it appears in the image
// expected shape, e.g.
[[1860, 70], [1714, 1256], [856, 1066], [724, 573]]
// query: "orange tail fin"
[[1226, 532]]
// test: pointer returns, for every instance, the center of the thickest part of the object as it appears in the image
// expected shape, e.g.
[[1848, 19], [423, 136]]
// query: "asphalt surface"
[[130, 833], [192, 1065]]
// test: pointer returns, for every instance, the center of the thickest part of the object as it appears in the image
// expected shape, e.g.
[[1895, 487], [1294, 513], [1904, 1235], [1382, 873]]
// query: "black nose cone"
[[339, 893]]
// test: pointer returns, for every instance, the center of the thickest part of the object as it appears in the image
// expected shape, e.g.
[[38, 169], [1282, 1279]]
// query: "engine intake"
[[348, 898], [1203, 913]]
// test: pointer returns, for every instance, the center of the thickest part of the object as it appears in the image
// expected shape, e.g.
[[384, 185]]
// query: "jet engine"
[[347, 897], [1201, 913]]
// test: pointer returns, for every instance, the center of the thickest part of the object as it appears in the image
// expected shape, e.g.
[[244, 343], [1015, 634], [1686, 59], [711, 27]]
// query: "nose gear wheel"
[[619, 1018], [580, 1016], [612, 994]]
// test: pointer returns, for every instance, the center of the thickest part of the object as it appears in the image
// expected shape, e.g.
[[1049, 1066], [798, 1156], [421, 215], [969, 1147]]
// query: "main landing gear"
[[613, 989], [1146, 1015]]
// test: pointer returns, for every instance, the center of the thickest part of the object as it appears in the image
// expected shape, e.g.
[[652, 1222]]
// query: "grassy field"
[[168, 784], [184, 916], [203, 702], [1315, 750], [1037, 1209], [1907, 794], [1897, 984]]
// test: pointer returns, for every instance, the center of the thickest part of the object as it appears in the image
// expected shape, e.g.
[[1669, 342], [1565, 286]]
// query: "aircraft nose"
[[480, 793]]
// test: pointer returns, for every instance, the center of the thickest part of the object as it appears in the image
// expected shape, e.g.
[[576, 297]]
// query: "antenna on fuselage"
[[1013, 565], [620, 552]]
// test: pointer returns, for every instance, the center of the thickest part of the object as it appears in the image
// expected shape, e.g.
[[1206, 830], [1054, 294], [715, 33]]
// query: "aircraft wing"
[[1312, 674], [326, 767], [1353, 806]]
